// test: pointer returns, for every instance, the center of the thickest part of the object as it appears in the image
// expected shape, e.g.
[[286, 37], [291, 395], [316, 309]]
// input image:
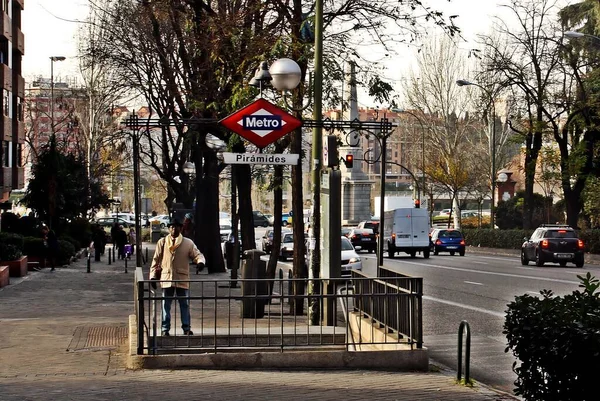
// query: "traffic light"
[[349, 161], [417, 204]]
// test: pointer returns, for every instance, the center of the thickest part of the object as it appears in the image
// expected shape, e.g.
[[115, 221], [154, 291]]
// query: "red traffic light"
[[349, 162], [417, 203]]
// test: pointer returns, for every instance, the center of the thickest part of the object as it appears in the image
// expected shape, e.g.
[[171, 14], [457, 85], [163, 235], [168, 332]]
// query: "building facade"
[[12, 48]]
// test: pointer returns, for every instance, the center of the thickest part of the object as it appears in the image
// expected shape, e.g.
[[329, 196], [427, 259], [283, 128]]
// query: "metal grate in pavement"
[[97, 337]]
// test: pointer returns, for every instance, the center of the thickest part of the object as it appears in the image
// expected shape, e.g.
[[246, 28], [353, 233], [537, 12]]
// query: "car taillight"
[[544, 243], [580, 244], [393, 236], [462, 241], [438, 242], [354, 236]]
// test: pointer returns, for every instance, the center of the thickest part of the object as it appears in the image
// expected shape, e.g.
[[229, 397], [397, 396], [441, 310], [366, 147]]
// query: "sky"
[[50, 29]]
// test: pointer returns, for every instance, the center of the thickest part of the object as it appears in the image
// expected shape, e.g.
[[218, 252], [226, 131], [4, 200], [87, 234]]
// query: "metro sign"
[[261, 123]]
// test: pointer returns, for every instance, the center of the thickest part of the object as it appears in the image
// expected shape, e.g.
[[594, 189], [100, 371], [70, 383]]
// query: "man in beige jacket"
[[171, 263]]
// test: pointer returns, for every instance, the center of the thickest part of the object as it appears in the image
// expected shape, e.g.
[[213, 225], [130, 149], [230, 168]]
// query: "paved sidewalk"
[[63, 336]]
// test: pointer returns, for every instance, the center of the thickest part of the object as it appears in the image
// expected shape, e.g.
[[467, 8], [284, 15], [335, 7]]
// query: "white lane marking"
[[480, 263], [578, 273], [493, 273], [473, 282], [533, 292], [473, 255], [473, 308]]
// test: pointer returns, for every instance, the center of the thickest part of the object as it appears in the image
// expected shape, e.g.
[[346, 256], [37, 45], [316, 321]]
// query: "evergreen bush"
[[557, 340]]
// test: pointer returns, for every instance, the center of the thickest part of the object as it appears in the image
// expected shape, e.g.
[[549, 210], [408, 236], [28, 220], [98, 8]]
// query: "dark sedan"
[[447, 241], [363, 239], [553, 244]]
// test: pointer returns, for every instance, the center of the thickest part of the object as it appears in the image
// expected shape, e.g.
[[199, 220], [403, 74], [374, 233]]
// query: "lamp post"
[[52, 60], [462, 82]]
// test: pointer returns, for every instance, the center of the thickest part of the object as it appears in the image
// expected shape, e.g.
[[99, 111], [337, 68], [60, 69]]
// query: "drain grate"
[[97, 337]]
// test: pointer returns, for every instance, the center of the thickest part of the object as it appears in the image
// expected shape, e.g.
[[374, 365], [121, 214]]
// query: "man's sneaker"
[[188, 333], [165, 334]]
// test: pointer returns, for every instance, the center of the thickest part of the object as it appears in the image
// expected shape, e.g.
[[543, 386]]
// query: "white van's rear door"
[[403, 227], [420, 228]]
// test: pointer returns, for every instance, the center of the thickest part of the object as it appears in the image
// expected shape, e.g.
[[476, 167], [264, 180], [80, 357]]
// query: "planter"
[[16, 268], [37, 259], [4, 278]]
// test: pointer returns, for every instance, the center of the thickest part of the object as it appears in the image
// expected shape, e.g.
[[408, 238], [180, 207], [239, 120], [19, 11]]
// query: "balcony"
[[6, 129], [7, 178], [18, 178], [20, 130], [20, 87], [5, 28], [19, 43], [6, 77]]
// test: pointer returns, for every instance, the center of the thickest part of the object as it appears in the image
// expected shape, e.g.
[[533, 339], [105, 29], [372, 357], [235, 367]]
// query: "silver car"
[[350, 259]]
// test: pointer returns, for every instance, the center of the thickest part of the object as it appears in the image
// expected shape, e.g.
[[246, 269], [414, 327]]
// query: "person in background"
[[99, 240], [188, 226], [132, 239], [51, 245], [120, 240], [171, 262]]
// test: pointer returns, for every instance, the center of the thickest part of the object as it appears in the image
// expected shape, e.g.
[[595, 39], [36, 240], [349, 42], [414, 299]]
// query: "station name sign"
[[260, 158]]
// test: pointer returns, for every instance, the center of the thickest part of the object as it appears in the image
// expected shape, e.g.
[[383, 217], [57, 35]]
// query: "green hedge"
[[34, 247], [513, 239], [66, 250]]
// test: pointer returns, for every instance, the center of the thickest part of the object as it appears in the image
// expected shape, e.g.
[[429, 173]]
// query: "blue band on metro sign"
[[261, 123]]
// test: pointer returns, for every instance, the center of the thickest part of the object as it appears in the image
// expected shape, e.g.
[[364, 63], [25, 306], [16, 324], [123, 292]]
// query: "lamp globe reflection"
[[286, 74]]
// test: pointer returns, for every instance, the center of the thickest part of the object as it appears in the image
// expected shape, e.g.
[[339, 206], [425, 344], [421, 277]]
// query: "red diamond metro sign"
[[261, 123]]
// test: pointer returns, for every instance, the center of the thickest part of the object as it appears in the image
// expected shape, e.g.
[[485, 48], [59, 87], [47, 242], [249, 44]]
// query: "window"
[[20, 111], [5, 154], [5, 102]]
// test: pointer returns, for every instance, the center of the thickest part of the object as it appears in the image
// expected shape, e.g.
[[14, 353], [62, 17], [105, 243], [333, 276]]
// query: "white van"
[[406, 230]]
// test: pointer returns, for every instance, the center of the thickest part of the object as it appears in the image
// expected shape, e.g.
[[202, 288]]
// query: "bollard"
[[126, 265], [109, 255], [146, 259], [89, 264], [464, 325]]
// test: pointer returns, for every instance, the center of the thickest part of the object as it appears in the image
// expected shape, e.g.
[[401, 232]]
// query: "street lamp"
[[52, 60], [462, 82]]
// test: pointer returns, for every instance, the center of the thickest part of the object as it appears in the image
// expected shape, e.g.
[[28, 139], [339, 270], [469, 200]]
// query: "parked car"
[[287, 246], [447, 240], [162, 219], [363, 237], [224, 228], [554, 244], [350, 259], [107, 224], [270, 218], [260, 220], [267, 239], [286, 219]]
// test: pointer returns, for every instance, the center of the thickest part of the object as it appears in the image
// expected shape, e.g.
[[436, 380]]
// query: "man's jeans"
[[182, 297]]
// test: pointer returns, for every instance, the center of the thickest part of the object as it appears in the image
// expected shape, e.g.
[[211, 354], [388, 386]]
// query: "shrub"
[[66, 250], [486, 237], [9, 252], [12, 239], [76, 243], [34, 246], [81, 230], [557, 340]]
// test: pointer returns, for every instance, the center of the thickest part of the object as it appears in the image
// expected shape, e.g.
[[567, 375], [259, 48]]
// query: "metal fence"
[[263, 314]]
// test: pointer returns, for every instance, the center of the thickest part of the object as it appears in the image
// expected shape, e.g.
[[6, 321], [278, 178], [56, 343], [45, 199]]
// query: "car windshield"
[[346, 245], [450, 234], [560, 234], [288, 238]]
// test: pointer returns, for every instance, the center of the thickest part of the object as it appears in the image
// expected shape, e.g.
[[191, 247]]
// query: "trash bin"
[[254, 287]]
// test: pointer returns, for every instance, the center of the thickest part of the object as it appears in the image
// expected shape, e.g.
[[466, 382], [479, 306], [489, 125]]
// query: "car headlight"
[[354, 260]]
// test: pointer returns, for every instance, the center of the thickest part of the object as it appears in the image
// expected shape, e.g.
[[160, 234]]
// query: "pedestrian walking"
[[121, 240], [171, 262], [99, 241], [188, 226], [132, 239], [50, 245]]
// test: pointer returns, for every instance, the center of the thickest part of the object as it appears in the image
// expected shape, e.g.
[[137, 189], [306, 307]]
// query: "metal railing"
[[260, 315]]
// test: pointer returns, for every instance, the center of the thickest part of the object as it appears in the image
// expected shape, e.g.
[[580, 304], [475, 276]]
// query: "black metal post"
[[136, 194], [89, 263], [382, 199], [110, 255], [125, 264]]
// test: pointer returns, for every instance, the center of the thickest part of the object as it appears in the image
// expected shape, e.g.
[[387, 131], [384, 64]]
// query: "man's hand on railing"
[[199, 267]]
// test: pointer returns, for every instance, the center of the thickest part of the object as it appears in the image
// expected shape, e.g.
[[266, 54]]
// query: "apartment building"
[[12, 84]]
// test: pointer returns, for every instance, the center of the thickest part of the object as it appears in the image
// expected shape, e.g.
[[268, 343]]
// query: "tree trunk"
[[243, 181], [207, 215]]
